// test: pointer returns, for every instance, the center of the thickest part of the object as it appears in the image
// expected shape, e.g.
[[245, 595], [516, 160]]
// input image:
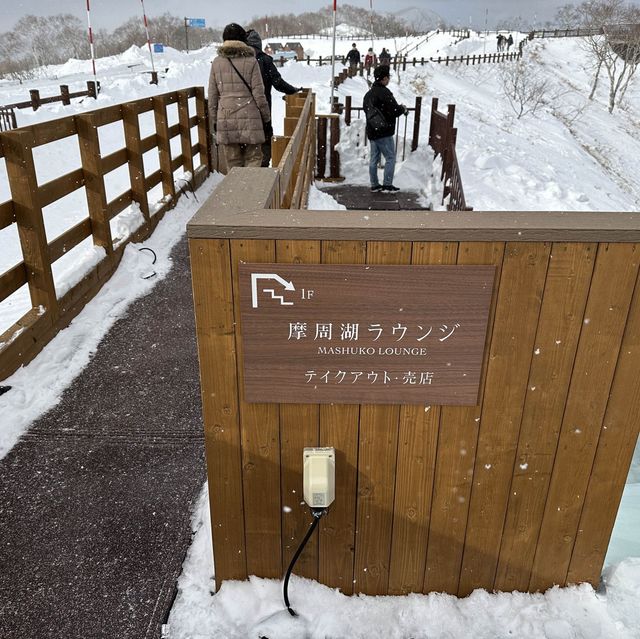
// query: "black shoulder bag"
[[376, 119]]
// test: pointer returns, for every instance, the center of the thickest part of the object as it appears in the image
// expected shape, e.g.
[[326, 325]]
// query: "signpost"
[[364, 334], [195, 23]]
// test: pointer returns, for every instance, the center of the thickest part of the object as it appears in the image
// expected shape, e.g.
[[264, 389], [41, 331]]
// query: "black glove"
[[300, 89]]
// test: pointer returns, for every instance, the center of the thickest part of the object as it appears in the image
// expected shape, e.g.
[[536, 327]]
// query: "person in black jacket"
[[382, 110], [353, 59], [270, 78]]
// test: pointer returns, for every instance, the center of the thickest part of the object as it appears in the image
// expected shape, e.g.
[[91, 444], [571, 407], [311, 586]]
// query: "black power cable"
[[317, 514]]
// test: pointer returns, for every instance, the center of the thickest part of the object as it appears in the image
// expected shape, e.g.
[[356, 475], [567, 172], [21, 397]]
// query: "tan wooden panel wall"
[[519, 492]]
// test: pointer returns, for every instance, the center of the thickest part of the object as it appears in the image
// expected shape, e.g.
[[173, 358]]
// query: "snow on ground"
[[573, 155]]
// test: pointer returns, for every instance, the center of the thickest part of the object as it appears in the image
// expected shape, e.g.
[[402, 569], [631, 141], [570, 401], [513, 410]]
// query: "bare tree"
[[613, 45], [525, 87]]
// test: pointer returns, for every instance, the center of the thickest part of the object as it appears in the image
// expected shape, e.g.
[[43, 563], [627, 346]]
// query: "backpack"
[[376, 119]]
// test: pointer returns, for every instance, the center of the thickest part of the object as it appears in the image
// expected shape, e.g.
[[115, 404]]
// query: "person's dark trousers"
[[266, 145]]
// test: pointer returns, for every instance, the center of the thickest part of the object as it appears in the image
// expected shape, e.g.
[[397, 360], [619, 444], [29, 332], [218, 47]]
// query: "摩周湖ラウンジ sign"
[[353, 334]]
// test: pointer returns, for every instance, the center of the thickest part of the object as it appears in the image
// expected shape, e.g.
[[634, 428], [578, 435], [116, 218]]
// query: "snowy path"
[[96, 498]]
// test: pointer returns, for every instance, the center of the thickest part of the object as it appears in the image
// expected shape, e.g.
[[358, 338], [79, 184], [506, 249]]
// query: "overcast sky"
[[110, 13]]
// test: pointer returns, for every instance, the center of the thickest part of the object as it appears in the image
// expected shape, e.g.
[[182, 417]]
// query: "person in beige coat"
[[237, 104]]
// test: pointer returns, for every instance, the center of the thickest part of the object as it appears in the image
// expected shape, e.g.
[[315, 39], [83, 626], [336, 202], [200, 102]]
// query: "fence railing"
[[294, 152], [442, 139], [7, 118], [49, 312], [349, 109], [35, 101], [565, 33]]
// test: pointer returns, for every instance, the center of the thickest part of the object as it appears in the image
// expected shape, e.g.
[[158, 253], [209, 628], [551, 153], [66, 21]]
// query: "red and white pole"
[[90, 31], [333, 54], [146, 28]]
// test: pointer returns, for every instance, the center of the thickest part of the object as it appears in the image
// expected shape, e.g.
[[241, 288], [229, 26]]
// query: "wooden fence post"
[[92, 89], [34, 94], [434, 108], [321, 158], [416, 123], [334, 158], [164, 144], [134, 152], [347, 110], [203, 127], [64, 94], [18, 150], [185, 132], [94, 181]]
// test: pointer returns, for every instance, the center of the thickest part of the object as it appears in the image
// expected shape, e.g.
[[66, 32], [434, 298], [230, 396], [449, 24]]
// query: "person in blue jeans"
[[381, 111]]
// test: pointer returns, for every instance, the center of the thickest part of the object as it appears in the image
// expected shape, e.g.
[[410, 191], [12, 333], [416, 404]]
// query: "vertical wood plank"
[[18, 152], [259, 425], [616, 445], [299, 427], [339, 428], [185, 131], [164, 144], [612, 286], [94, 181], [417, 444], [563, 304], [455, 456], [522, 281], [213, 302], [377, 454], [134, 152], [203, 129]]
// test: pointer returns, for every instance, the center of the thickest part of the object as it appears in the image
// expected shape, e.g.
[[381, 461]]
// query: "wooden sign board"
[[372, 334]]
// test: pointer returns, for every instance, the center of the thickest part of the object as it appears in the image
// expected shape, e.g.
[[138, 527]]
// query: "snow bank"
[[255, 608]]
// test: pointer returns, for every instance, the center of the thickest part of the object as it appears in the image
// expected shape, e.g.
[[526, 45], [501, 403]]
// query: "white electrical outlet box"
[[319, 477]]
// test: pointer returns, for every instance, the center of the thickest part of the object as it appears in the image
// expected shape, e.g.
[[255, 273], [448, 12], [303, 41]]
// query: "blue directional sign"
[[196, 23], [158, 48]]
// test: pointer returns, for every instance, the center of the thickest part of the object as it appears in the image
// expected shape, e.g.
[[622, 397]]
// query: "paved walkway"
[[95, 500], [361, 198]]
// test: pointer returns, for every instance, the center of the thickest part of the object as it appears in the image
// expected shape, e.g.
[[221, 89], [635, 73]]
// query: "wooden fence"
[[35, 101], [294, 154], [519, 492], [442, 139], [49, 312], [7, 119], [415, 135]]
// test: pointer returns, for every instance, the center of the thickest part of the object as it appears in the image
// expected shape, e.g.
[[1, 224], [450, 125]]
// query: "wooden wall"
[[517, 493]]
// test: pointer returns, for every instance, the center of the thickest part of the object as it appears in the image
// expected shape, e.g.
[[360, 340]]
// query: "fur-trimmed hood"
[[235, 49]]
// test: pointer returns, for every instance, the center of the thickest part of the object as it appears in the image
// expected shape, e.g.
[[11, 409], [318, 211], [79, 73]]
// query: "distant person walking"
[[238, 108], [500, 40], [382, 110], [384, 58], [353, 59], [370, 61], [270, 78], [509, 42]]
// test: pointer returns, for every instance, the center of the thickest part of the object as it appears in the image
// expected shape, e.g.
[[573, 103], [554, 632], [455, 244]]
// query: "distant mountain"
[[420, 19]]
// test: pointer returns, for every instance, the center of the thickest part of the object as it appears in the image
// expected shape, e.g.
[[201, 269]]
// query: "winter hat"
[[234, 31], [254, 40], [381, 72]]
